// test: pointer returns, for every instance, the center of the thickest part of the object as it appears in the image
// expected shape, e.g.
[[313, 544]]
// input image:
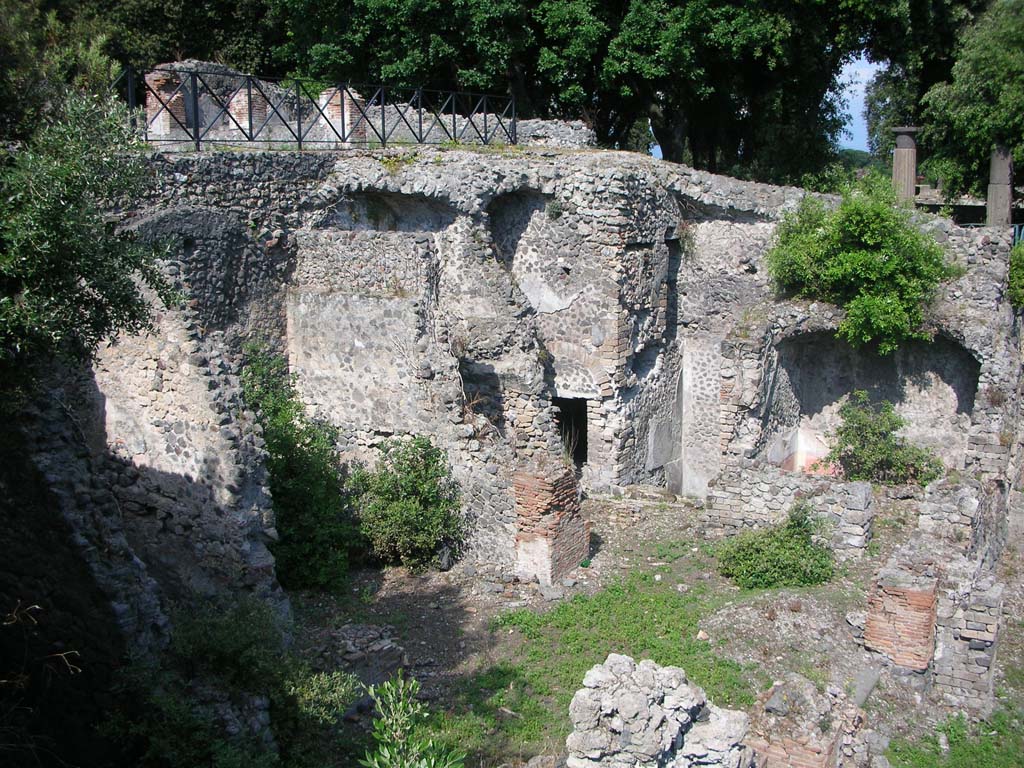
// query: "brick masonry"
[[552, 537], [165, 103], [901, 621]]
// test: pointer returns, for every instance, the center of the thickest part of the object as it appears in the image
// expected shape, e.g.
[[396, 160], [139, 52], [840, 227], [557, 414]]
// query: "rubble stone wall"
[[759, 496]]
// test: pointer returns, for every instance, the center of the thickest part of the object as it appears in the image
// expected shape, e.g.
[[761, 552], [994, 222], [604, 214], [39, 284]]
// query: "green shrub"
[[409, 505], [1015, 279], [315, 522], [781, 556], [867, 447], [398, 745], [866, 256], [238, 650]]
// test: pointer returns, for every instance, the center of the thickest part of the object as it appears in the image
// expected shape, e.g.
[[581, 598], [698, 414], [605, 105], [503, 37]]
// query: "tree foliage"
[[68, 276], [983, 103], [749, 87], [865, 256], [917, 41]]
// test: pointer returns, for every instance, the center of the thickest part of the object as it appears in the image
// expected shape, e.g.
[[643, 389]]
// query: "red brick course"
[[901, 624], [552, 538]]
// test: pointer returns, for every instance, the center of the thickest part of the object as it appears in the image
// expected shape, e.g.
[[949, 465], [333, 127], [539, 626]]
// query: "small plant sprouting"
[[395, 163], [1015, 277], [395, 730], [554, 209]]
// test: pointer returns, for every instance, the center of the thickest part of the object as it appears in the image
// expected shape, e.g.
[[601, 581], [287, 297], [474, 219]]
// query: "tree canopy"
[[747, 87], [67, 276], [983, 103]]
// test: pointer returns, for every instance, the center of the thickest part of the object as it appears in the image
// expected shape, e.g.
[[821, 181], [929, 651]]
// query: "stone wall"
[[456, 294], [796, 725], [758, 496]]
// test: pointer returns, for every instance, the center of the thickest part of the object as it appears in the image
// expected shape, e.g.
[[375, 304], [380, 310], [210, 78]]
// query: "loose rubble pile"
[[631, 715]]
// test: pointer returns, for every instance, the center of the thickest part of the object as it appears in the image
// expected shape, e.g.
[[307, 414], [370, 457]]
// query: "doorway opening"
[[571, 419]]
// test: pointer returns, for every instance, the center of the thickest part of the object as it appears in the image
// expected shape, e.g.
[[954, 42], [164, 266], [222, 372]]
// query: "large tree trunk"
[[669, 131]]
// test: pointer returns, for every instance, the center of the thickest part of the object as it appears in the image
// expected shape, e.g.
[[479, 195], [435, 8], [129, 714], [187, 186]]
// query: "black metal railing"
[[186, 109]]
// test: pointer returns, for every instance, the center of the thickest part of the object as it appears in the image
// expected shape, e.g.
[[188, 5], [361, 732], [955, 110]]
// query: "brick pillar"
[[159, 120], [904, 163], [1000, 188], [239, 109], [552, 537], [901, 618], [335, 102]]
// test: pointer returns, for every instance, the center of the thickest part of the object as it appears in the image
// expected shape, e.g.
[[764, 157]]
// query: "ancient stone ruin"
[[630, 715], [560, 321]]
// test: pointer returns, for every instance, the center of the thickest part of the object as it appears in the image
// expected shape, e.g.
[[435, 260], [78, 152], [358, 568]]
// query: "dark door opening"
[[571, 419]]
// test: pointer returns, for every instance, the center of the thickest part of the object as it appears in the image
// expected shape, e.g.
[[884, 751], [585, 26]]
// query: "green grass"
[[995, 743], [670, 551], [636, 616]]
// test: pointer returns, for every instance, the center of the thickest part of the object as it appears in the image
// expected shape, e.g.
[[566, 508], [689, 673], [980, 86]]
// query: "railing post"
[[419, 114], [455, 128], [486, 138], [383, 112], [298, 112], [196, 133], [344, 99], [248, 95], [514, 137]]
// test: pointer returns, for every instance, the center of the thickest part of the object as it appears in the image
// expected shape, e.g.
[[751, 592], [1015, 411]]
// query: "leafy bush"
[[315, 522], [867, 447], [409, 505], [866, 256], [238, 650], [781, 556], [394, 731], [1015, 279], [68, 279]]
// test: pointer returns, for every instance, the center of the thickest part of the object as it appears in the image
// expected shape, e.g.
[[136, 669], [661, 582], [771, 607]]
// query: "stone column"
[[904, 163], [1000, 188]]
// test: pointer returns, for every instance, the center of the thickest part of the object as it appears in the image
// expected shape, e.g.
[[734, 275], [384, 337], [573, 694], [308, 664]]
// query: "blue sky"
[[855, 77]]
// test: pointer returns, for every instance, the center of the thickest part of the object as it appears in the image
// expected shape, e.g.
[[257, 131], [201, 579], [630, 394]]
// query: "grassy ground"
[[517, 708], [502, 677]]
